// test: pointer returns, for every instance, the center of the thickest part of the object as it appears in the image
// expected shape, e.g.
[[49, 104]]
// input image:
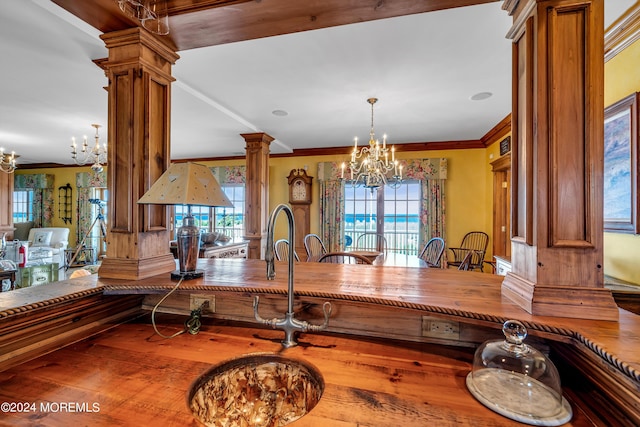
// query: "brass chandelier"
[[97, 155], [372, 170], [7, 163]]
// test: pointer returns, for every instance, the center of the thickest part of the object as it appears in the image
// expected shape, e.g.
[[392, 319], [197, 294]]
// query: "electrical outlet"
[[197, 300], [435, 327]]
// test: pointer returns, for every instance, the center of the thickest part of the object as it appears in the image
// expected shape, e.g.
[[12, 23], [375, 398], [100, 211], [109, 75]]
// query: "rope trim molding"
[[49, 302], [620, 365]]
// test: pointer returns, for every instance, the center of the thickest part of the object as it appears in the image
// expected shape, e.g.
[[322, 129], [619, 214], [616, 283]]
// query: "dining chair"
[[432, 252], [314, 247], [344, 258], [281, 249], [476, 241], [371, 242], [465, 264]]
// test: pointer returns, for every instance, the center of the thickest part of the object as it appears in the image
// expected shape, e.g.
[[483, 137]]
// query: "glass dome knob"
[[514, 331]]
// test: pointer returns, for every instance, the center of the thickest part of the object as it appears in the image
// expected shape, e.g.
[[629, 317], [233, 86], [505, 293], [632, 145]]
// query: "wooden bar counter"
[[89, 341]]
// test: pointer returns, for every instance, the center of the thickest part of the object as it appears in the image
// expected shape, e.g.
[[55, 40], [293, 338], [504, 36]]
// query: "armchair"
[[51, 239], [474, 241]]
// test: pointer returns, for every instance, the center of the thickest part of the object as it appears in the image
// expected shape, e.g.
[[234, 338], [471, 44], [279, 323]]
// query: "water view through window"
[[394, 213]]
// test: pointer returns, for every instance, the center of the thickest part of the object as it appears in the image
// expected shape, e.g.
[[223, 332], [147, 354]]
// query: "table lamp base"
[[186, 275]]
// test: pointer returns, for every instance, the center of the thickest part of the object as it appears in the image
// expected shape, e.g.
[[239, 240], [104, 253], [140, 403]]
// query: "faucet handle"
[[326, 309]]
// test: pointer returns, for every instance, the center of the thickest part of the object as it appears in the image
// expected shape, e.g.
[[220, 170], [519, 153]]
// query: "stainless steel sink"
[[262, 390]]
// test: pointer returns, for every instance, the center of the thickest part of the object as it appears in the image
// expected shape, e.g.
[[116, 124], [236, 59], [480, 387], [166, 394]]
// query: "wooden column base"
[[560, 301], [254, 250], [136, 269]]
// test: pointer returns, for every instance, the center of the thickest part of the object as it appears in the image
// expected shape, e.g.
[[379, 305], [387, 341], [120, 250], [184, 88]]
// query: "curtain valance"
[[230, 174], [420, 169], [91, 179], [33, 181]]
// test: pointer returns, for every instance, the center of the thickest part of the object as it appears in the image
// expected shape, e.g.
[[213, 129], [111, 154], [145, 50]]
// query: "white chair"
[[48, 244]]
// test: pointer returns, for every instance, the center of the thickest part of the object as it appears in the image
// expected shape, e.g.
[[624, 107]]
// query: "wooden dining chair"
[[432, 252], [314, 247], [476, 241], [281, 249], [344, 258], [371, 242], [466, 263]]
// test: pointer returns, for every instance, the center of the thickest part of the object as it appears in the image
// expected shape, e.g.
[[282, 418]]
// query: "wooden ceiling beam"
[[200, 23]]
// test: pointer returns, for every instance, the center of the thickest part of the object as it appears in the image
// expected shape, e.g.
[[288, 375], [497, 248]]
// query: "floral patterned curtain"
[[431, 173], [86, 182], [230, 174], [331, 206], [42, 186]]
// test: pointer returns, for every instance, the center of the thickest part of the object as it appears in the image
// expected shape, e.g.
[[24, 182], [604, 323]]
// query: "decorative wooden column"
[[557, 159], [256, 213], [139, 72]]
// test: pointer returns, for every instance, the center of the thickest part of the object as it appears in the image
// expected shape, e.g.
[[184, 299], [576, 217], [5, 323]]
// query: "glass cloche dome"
[[517, 381]]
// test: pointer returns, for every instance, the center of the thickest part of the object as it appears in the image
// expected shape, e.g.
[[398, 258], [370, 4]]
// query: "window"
[[229, 221], [394, 213], [22, 205]]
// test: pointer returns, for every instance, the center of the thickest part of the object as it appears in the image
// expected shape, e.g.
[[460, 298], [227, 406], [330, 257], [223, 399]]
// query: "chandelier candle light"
[[374, 166], [97, 155], [7, 163]]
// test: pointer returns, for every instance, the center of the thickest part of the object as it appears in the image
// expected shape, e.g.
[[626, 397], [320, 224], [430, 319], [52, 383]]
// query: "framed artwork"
[[621, 166]]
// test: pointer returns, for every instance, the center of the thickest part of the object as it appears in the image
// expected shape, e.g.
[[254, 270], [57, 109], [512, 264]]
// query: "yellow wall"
[[468, 188], [622, 251], [62, 176], [468, 198]]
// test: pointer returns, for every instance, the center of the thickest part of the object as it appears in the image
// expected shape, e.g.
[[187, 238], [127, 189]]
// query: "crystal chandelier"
[[97, 155], [372, 170], [7, 163]]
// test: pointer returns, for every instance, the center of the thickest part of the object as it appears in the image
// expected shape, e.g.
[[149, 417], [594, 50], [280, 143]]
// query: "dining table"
[[370, 255], [390, 259], [393, 259]]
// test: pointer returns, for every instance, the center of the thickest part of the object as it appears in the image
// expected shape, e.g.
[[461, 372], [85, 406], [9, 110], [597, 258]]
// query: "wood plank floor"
[[130, 376]]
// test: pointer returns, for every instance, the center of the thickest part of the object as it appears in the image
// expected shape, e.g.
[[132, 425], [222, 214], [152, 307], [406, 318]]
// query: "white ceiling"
[[423, 68]]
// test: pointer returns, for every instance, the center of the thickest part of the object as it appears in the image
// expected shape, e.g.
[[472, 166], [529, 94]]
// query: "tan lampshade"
[[186, 184]]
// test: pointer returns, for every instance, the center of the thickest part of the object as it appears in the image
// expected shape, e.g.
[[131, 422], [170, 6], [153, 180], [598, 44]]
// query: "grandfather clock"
[[300, 200]]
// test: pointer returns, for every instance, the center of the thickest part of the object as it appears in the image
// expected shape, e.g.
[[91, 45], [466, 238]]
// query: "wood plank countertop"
[[468, 297], [130, 376]]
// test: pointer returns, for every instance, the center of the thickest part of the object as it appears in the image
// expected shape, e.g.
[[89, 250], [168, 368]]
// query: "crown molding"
[[498, 132], [510, 6], [622, 33]]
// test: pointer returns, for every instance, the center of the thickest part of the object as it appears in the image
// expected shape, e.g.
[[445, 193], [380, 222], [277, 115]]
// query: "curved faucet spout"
[[289, 324], [269, 255]]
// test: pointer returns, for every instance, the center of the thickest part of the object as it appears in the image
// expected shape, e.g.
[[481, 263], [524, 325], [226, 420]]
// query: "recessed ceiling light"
[[481, 96], [279, 113]]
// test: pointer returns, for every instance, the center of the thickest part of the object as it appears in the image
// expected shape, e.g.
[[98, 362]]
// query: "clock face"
[[299, 191]]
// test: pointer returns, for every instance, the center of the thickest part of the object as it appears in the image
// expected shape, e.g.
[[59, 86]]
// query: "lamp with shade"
[[190, 184]]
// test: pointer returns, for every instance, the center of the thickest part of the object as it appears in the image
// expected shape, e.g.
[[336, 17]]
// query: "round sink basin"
[[262, 390]]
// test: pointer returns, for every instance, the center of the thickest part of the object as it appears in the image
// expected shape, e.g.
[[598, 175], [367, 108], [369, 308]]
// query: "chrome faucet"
[[290, 325]]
